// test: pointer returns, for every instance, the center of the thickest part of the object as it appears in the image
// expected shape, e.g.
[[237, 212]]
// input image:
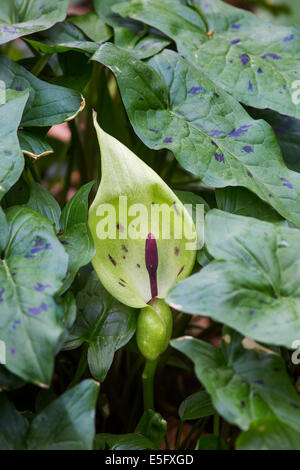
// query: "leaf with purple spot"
[[249, 387], [30, 314], [240, 38]]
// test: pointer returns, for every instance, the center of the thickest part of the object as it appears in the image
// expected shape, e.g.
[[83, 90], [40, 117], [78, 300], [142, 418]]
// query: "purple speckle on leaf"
[[259, 70], [270, 54], [148, 44], [214, 143], [219, 157], [251, 312], [235, 26], [248, 149], [42, 6], [156, 131], [216, 95], [41, 287], [235, 41], [64, 242], [286, 183], [38, 310], [258, 382], [216, 133], [18, 88], [288, 38], [10, 29], [40, 246], [168, 139], [194, 90], [240, 131], [12, 351], [243, 404], [250, 86], [1, 294], [244, 58], [249, 174], [169, 67]]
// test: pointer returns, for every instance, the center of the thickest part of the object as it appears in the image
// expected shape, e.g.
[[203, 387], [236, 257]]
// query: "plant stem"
[[178, 435], [81, 367], [40, 64], [148, 384], [216, 424]]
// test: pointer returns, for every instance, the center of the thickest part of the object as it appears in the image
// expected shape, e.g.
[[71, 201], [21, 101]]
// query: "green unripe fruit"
[[154, 329]]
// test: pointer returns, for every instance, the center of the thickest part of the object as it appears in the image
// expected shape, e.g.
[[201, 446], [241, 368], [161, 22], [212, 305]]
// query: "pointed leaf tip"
[[140, 228]]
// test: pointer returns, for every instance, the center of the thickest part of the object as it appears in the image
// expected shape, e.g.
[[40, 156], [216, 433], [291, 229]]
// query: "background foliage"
[[202, 92]]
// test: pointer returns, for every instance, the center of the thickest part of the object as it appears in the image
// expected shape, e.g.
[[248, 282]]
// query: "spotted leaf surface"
[[47, 104], [172, 105], [134, 219], [131, 35], [103, 323], [63, 37], [22, 17], [32, 269], [247, 384], [255, 273], [254, 60], [11, 157]]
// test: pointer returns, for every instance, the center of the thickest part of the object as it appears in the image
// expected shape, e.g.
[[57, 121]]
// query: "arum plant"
[[145, 242]]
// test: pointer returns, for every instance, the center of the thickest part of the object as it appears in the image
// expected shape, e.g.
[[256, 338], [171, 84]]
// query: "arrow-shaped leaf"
[[32, 268], [254, 60], [173, 105]]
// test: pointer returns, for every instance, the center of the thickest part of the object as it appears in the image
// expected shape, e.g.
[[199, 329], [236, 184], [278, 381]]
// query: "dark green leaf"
[[196, 406], [102, 322], [76, 236], [132, 442], [152, 426], [47, 104], [62, 37], [42, 201], [68, 422], [123, 442], [131, 35], [211, 442], [92, 26], [9, 381], [13, 426], [34, 144], [240, 201], [287, 130]]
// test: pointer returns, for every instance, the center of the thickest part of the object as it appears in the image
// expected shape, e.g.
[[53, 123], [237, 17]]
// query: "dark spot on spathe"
[[112, 260]]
